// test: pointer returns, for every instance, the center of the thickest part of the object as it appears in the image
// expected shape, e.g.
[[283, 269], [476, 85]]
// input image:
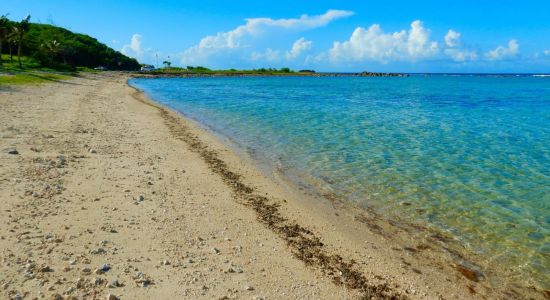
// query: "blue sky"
[[399, 36]]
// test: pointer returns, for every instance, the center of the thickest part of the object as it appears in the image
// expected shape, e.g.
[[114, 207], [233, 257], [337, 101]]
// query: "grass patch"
[[31, 78], [31, 72]]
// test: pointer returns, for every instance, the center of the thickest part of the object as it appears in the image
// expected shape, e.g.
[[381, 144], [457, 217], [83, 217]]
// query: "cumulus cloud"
[[452, 38], [234, 39], [374, 44], [502, 52], [300, 46], [454, 48], [133, 49], [547, 52]]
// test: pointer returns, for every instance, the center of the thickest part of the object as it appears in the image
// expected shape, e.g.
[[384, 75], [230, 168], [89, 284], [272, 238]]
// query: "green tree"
[[285, 70], [20, 29], [11, 38], [167, 64], [50, 52], [4, 32]]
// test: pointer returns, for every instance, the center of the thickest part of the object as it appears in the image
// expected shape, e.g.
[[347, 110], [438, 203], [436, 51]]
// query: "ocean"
[[465, 154]]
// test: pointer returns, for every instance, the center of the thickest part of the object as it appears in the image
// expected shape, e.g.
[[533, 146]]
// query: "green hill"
[[58, 47]]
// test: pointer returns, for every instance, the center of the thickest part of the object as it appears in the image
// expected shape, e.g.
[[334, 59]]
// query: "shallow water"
[[467, 154]]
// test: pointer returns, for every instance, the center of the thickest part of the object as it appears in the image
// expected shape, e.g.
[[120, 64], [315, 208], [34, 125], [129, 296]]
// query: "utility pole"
[[157, 66]]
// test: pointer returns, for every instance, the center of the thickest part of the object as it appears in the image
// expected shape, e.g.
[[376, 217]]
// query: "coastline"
[[178, 74], [326, 250]]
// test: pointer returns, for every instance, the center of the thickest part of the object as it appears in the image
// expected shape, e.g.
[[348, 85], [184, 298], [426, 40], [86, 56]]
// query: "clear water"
[[471, 154]]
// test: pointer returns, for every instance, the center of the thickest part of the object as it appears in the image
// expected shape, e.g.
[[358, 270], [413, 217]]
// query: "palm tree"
[[53, 49], [3, 33], [12, 42], [20, 29]]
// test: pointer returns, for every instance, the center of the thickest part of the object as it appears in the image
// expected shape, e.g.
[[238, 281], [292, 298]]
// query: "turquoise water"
[[469, 155]]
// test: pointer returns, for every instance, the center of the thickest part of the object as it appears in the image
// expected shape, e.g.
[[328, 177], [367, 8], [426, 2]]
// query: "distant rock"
[[13, 151]]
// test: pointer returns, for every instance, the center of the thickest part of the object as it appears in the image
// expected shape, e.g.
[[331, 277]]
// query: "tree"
[[20, 29], [285, 70], [4, 31], [167, 64], [12, 42], [50, 52]]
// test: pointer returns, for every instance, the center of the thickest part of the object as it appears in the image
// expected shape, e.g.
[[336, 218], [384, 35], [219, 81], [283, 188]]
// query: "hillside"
[[54, 46]]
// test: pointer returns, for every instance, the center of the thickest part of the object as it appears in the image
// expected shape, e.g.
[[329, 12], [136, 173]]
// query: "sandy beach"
[[107, 195]]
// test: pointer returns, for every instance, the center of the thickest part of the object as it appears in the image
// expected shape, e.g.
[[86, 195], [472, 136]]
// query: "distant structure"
[[146, 68]]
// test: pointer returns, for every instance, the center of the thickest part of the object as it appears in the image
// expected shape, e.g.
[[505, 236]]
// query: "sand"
[[107, 195]]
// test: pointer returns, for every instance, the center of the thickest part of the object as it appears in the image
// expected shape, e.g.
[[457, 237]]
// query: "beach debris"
[[17, 297], [471, 274], [234, 269], [115, 283], [105, 268], [142, 280], [92, 150], [112, 297], [99, 281], [215, 250], [98, 251], [57, 297], [46, 269], [62, 160], [141, 198], [13, 151], [249, 288]]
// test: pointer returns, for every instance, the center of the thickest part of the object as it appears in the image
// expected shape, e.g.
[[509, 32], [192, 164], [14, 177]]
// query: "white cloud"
[[298, 48], [269, 55], [234, 39], [502, 52], [134, 48], [547, 52], [452, 38], [454, 48], [374, 44]]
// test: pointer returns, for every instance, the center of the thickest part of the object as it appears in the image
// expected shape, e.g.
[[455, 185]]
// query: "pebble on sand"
[[112, 297]]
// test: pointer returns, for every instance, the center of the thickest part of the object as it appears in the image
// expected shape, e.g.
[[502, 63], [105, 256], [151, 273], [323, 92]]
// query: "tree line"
[[58, 47]]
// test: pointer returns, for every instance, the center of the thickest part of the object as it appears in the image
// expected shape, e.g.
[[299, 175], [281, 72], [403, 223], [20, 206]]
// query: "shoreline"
[[451, 251], [153, 74], [341, 251]]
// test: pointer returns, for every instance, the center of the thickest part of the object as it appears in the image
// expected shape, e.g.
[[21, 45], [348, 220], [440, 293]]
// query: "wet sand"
[[107, 194]]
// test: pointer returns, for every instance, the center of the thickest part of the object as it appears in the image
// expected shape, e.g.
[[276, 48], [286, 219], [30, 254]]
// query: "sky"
[[324, 35]]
